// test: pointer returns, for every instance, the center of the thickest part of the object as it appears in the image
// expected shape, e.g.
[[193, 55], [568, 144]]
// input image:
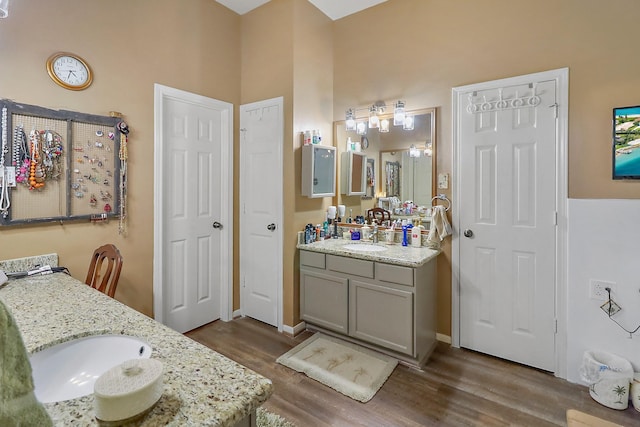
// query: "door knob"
[[271, 227], [216, 224], [468, 233]]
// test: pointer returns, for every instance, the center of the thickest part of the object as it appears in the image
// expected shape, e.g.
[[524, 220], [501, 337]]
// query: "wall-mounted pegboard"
[[58, 165]]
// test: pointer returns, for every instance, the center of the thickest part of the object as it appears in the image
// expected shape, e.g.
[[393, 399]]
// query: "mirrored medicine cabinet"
[[353, 173], [318, 171]]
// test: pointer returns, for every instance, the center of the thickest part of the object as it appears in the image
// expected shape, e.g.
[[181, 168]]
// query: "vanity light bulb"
[[398, 114], [361, 128], [408, 123], [384, 125], [374, 120], [350, 121]]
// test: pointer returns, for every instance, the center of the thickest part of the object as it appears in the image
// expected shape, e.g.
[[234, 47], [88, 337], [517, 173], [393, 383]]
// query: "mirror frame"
[[379, 172]]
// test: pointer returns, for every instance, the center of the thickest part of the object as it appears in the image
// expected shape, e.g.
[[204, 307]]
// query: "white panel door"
[[507, 222], [193, 248], [261, 149]]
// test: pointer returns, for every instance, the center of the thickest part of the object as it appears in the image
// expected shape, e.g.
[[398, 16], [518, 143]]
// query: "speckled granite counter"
[[397, 254], [201, 387]]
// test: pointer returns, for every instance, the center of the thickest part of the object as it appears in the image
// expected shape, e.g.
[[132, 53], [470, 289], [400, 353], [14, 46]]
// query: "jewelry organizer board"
[[86, 175]]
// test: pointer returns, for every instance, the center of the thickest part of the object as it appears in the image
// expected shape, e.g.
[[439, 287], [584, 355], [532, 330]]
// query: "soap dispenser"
[[366, 232]]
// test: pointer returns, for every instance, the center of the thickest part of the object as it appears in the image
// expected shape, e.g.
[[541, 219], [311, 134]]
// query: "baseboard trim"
[[295, 330], [236, 314], [443, 338]]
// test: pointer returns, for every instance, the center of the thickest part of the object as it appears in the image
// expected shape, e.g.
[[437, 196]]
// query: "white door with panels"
[[261, 161], [193, 246], [507, 220]]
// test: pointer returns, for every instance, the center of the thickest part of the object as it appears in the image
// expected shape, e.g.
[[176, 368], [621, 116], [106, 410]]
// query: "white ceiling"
[[334, 9]]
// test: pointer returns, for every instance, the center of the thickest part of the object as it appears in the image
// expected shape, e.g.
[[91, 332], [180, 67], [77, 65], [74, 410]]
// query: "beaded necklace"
[[36, 173]]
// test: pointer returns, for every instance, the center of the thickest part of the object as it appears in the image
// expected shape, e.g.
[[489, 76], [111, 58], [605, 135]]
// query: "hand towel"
[[439, 228], [18, 404]]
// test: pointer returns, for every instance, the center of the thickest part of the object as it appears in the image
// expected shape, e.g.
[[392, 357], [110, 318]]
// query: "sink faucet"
[[374, 234]]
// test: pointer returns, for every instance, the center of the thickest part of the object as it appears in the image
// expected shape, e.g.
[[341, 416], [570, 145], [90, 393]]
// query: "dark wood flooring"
[[457, 387]]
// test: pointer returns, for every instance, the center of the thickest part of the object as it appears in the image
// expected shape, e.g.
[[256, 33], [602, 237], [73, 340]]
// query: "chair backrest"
[[104, 270], [378, 215]]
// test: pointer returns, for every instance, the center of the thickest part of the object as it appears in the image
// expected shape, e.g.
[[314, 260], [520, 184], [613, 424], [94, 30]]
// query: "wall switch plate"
[[443, 181], [598, 289]]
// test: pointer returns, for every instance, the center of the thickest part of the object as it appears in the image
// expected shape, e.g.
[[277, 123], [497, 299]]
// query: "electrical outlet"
[[598, 289], [610, 307]]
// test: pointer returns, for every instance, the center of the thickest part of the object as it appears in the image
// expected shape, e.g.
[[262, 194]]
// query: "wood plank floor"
[[457, 387]]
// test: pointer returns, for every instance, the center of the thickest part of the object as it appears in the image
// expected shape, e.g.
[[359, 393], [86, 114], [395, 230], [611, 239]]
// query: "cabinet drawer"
[[355, 267], [394, 274], [312, 259]]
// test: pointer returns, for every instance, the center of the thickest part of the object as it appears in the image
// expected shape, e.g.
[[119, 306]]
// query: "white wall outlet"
[[443, 181], [598, 289]]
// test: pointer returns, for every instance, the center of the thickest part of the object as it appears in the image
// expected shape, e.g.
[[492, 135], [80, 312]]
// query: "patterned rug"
[[352, 370]]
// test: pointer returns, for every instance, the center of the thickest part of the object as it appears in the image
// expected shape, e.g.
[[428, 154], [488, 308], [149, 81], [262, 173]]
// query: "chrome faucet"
[[374, 234]]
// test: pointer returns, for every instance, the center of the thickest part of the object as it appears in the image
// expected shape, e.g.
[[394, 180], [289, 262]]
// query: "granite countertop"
[[395, 253], [201, 387]]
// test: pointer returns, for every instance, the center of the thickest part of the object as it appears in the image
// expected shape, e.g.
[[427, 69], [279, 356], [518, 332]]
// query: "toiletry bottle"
[[416, 236], [405, 241], [366, 232], [318, 236], [314, 137]]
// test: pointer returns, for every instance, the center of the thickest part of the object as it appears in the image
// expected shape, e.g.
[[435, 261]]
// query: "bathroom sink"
[[69, 370], [363, 247]]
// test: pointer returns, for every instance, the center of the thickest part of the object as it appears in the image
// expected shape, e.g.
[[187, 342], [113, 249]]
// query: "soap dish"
[[128, 391]]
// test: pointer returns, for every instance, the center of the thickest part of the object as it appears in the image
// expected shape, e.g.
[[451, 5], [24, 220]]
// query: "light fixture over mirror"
[[373, 119]]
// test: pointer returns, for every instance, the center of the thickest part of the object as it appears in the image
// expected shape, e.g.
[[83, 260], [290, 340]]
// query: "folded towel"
[[18, 404], [439, 228]]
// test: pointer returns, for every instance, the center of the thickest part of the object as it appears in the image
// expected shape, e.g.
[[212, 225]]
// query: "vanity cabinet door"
[[381, 315], [324, 300]]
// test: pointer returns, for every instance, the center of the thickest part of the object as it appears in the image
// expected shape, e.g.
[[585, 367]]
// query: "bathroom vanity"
[[201, 387], [380, 296]]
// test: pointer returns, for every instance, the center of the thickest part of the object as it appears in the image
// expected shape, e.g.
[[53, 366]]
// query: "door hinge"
[[555, 218], [555, 325]]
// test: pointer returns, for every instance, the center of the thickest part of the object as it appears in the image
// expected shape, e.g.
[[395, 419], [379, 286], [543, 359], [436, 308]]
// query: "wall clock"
[[364, 142], [69, 71]]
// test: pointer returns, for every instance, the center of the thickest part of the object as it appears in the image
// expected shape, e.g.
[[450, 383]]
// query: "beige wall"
[[130, 45], [415, 50], [419, 49]]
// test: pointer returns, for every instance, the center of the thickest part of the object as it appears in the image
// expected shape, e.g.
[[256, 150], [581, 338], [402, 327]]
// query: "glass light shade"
[[428, 149], [350, 121], [413, 151], [408, 123], [374, 120], [384, 126], [361, 128], [4, 8], [398, 114]]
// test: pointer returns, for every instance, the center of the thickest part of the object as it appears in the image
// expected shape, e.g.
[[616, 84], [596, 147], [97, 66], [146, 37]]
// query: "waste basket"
[[609, 378]]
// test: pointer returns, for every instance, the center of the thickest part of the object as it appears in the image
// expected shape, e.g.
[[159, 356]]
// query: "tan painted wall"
[[130, 45], [419, 49], [416, 50]]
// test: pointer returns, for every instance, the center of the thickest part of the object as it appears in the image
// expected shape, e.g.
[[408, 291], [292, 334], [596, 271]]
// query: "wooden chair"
[[102, 275], [378, 215]]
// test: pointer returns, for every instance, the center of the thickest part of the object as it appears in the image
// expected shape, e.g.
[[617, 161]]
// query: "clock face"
[[69, 71]]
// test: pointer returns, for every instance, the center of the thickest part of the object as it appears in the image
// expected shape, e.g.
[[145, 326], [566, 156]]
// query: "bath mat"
[[352, 370], [265, 418]]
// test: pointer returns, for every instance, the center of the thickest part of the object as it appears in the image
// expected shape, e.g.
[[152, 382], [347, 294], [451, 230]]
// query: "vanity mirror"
[[405, 165]]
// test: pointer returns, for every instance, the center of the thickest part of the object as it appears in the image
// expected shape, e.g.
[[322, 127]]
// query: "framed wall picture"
[[626, 143]]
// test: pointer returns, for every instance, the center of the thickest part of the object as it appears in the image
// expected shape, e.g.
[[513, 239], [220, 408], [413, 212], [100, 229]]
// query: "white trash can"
[[609, 378]]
